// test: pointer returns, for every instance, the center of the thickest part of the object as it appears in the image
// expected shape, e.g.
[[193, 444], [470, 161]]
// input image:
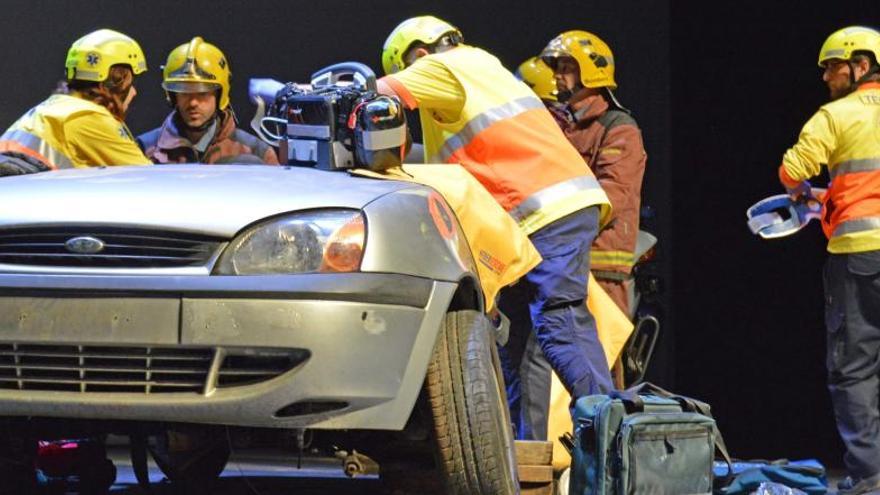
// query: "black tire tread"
[[463, 398]]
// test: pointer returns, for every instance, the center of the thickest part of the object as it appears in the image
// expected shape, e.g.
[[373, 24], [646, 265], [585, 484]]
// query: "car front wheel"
[[474, 439], [191, 459]]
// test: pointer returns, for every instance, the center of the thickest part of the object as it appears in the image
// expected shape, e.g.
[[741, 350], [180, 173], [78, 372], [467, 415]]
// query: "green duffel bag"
[[643, 441]]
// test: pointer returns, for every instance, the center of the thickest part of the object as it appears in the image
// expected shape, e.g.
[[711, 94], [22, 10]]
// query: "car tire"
[[191, 459], [472, 430]]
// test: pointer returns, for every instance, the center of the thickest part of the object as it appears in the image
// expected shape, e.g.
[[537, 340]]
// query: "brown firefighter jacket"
[[611, 143], [165, 144]]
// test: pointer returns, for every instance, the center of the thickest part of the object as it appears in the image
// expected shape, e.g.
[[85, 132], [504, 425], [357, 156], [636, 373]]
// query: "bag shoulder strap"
[[689, 405]]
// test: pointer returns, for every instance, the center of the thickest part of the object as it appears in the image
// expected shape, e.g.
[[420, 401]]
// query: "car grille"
[[122, 248], [147, 370]]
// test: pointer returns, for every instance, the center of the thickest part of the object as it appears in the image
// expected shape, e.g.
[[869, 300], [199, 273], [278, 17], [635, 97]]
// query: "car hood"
[[215, 200]]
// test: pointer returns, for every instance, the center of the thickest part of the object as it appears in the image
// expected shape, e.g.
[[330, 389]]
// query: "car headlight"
[[306, 242]]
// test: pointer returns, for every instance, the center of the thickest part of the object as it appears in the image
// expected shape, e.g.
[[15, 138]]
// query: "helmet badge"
[[92, 58]]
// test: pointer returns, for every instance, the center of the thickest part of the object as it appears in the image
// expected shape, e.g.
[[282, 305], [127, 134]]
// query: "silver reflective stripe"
[[833, 53], [851, 166], [88, 75], [385, 139], [55, 157], [482, 122], [552, 194], [311, 131], [857, 225]]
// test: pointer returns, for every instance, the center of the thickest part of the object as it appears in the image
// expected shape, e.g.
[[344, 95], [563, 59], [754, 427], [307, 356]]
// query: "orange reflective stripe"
[[405, 96], [515, 157], [39, 148], [529, 168], [849, 198], [15, 147], [482, 122]]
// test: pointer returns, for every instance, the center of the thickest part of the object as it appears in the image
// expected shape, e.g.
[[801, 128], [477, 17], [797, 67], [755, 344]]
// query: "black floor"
[[258, 473], [270, 473]]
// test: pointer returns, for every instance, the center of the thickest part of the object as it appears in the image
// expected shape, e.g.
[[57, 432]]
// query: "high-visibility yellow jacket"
[[502, 251], [845, 136], [476, 113], [66, 131]]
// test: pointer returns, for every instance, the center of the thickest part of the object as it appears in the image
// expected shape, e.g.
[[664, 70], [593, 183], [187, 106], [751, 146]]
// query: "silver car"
[[181, 299]]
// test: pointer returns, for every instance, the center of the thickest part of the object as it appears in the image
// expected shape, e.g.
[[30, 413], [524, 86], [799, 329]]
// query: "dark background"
[[719, 89]]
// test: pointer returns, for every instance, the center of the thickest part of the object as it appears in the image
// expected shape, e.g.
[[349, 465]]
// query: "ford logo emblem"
[[84, 245]]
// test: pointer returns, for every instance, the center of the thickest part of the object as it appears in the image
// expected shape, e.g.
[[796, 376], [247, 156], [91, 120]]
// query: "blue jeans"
[[555, 293], [852, 319]]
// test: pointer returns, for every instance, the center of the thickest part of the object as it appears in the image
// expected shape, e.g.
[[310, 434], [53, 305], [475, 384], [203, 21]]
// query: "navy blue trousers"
[[852, 320], [550, 301]]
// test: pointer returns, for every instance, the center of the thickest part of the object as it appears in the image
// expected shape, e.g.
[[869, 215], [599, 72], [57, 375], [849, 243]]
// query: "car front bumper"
[[365, 340]]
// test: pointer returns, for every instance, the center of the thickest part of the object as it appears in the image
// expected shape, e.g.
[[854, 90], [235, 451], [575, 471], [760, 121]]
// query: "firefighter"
[[609, 139], [476, 113], [843, 135], [85, 127], [202, 126]]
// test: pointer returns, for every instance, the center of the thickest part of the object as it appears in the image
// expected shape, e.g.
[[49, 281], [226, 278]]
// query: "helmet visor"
[[190, 87], [551, 55]]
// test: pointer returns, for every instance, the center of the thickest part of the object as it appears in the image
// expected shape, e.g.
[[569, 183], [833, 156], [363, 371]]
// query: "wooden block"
[[535, 474], [536, 489], [533, 452]]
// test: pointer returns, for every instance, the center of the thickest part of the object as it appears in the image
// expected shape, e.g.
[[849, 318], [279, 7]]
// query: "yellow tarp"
[[507, 254], [614, 329], [502, 252]]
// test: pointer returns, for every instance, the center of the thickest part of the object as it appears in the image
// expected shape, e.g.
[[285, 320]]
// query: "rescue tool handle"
[[261, 92], [362, 75], [263, 89]]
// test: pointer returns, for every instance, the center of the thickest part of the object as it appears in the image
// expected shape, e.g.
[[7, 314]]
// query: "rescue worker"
[[538, 76], [474, 112], [593, 120], [843, 135], [86, 127], [609, 139], [202, 126]]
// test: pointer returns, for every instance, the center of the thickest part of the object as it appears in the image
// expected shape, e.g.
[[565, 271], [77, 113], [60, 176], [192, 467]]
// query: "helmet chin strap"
[[853, 83], [852, 75], [563, 95], [871, 71]]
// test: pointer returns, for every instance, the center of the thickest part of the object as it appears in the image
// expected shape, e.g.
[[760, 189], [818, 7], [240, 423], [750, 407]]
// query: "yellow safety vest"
[[503, 136], [66, 131]]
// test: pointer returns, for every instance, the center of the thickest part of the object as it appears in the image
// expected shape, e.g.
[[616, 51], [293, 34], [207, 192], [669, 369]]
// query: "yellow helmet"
[[594, 57], [197, 67], [539, 77], [90, 57], [842, 43], [426, 29]]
